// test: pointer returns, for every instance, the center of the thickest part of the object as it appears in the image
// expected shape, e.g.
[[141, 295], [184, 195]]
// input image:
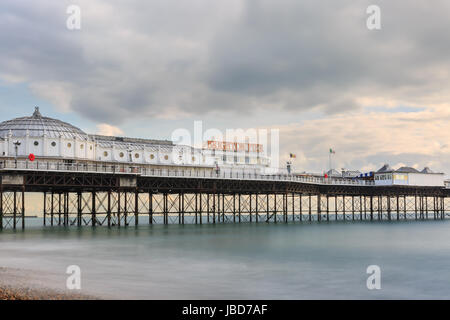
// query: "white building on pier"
[[408, 176], [54, 140]]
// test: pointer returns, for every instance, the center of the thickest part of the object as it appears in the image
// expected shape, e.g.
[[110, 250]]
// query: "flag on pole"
[[292, 156], [332, 151]]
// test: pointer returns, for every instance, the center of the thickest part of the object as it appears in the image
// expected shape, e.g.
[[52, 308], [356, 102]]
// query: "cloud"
[[415, 139], [132, 59], [321, 55], [256, 59], [57, 93], [108, 130]]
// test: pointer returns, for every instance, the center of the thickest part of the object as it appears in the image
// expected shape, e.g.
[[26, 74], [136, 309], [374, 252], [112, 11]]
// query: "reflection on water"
[[241, 261]]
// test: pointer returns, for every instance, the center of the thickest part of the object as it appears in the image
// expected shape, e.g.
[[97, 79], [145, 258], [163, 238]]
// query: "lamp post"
[[16, 148], [130, 156]]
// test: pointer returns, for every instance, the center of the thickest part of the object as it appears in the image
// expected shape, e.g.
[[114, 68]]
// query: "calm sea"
[[240, 261]]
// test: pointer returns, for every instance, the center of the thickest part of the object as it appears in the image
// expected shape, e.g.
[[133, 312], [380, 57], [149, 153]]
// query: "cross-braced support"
[[12, 209], [214, 203]]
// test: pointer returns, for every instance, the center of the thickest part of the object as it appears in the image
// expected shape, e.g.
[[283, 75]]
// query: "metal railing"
[[61, 166], [251, 176], [176, 173]]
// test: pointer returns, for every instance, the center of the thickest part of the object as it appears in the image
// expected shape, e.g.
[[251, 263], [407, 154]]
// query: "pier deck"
[[120, 196]]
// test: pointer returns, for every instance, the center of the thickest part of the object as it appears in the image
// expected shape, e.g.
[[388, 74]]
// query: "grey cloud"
[[138, 59], [308, 47]]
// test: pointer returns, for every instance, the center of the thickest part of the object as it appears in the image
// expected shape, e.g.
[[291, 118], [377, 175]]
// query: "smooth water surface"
[[240, 261]]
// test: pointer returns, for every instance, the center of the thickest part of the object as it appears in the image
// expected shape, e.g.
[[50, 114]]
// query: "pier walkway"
[[120, 195]]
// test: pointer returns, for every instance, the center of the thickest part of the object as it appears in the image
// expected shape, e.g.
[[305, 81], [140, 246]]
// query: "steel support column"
[[234, 208], [371, 208], [328, 207], [23, 207], [398, 208], [1, 206], [94, 209], [293, 206], [319, 211], [59, 208], [119, 204], [389, 207], [108, 213], [150, 207], [353, 208], [239, 207], [79, 209], [45, 208], [343, 207], [52, 204], [136, 207]]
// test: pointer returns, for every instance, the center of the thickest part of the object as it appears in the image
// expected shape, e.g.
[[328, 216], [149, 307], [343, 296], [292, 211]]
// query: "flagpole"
[[329, 159]]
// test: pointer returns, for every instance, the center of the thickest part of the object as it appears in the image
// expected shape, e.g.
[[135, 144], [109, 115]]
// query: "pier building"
[[54, 140], [408, 176], [97, 180]]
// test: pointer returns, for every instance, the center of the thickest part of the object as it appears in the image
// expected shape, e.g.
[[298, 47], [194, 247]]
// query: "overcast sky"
[[310, 68]]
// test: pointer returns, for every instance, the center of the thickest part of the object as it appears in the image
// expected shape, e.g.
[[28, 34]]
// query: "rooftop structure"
[[386, 175], [334, 173], [385, 168], [38, 126]]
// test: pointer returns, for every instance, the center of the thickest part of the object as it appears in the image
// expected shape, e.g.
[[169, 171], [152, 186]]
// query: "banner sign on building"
[[234, 146]]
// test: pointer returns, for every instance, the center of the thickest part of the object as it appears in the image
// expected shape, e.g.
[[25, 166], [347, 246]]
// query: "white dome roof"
[[37, 126]]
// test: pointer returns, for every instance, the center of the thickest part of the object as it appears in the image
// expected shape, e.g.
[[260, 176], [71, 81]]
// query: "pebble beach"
[[17, 284]]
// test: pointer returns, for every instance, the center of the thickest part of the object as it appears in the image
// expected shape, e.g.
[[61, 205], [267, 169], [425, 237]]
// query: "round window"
[[121, 154], [166, 157], [69, 145], [36, 143], [136, 155], [105, 153], [53, 144]]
